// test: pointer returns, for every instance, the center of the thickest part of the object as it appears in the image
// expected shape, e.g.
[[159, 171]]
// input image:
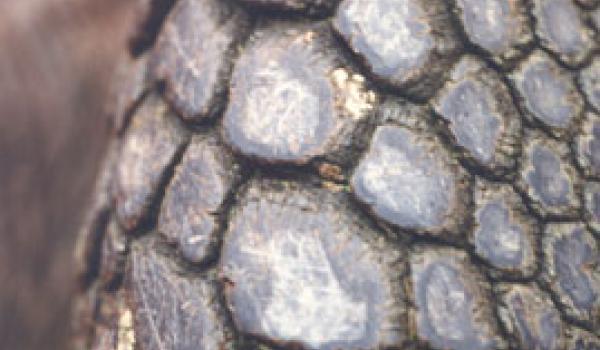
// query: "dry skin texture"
[[303, 179]]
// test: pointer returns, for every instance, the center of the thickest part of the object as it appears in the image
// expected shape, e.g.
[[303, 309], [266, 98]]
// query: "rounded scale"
[[408, 179], [504, 233], [408, 44], [548, 93], [300, 268], [149, 146], [289, 99], [562, 30], [547, 177], [572, 270], [500, 27], [194, 54], [189, 212], [451, 300], [480, 115], [530, 317]]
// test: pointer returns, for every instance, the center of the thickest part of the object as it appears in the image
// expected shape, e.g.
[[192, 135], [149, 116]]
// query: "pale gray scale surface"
[[591, 194], [494, 220], [407, 178], [572, 270], [289, 102], [498, 26], [548, 92], [298, 270], [147, 149], [545, 178], [399, 39], [561, 29], [171, 311], [472, 122], [504, 233], [589, 78], [551, 183], [194, 53], [189, 213], [530, 317], [354, 225], [482, 118], [587, 146], [451, 301]]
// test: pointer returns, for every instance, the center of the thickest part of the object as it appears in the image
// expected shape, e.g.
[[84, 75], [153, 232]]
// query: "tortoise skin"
[[354, 174]]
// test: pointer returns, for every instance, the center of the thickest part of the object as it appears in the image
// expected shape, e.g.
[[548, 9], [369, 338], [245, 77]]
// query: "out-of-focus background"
[[56, 61]]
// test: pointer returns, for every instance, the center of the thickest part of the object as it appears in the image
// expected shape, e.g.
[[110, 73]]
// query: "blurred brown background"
[[56, 59]]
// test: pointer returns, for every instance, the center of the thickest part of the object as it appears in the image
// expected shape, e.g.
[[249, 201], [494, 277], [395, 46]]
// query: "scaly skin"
[[356, 175]]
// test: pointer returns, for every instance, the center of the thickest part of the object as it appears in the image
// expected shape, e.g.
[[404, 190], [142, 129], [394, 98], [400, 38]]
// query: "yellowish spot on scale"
[[352, 95], [126, 333]]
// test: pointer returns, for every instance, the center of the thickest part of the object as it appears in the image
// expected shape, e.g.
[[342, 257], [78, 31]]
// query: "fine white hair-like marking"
[[281, 111], [307, 301], [404, 187], [446, 303], [394, 29]]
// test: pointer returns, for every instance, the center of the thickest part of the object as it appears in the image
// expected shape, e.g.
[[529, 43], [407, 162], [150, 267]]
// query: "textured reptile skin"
[[355, 174]]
